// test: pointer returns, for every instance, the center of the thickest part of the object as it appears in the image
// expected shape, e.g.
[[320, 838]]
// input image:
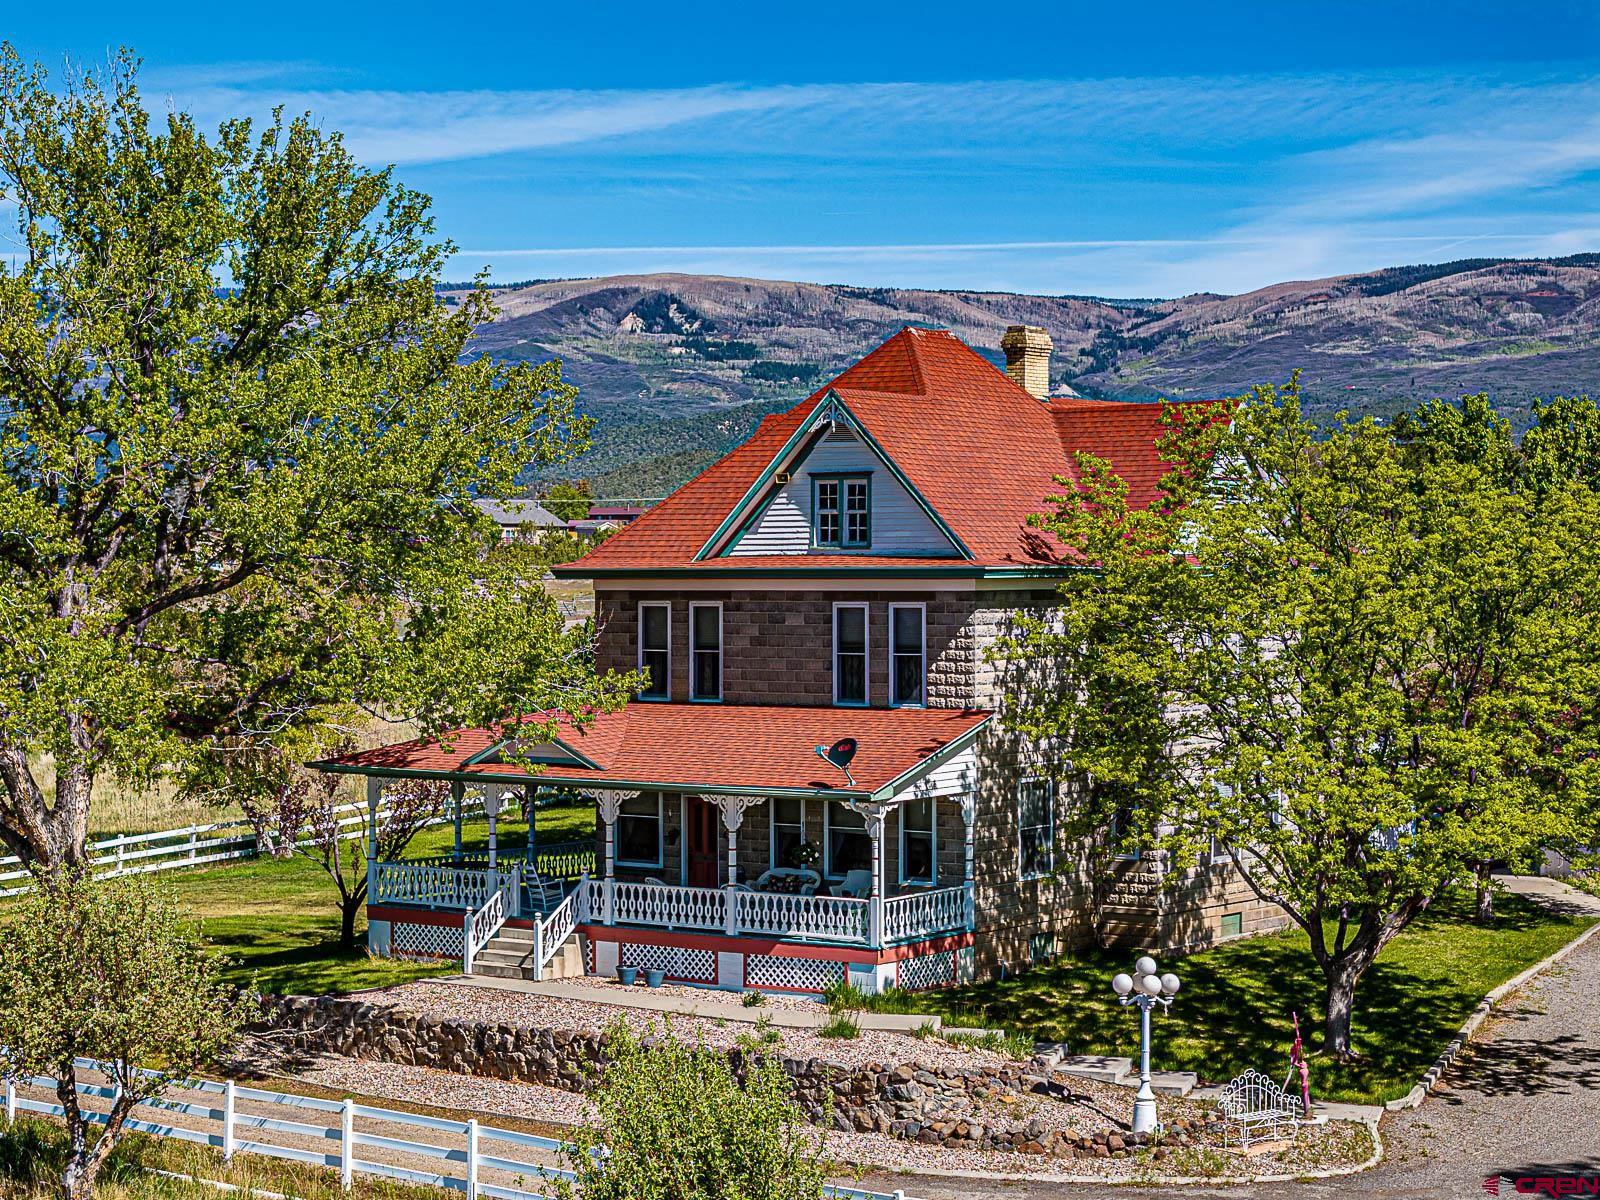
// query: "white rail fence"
[[192, 846], [463, 1156]]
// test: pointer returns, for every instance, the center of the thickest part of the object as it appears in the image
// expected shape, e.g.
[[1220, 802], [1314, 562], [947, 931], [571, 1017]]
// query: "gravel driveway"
[[1523, 1099]]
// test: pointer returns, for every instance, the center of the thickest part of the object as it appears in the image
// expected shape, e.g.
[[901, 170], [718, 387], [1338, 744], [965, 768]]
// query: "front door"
[[701, 839]]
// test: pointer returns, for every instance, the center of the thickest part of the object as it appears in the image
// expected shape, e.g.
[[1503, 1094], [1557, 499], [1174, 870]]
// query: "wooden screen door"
[[705, 852]]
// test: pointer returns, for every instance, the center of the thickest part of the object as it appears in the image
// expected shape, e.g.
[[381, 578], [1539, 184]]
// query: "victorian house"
[[816, 783]]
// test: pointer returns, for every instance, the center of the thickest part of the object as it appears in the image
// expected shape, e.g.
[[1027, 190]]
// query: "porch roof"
[[710, 748]]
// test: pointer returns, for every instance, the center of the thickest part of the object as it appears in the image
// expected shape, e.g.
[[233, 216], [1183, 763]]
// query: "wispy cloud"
[[1238, 180]]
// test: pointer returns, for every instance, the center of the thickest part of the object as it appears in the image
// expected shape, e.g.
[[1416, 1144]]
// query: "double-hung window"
[[788, 830], [639, 831], [705, 651], [1036, 827], [655, 649], [917, 846], [850, 654], [848, 846], [841, 511], [907, 656]]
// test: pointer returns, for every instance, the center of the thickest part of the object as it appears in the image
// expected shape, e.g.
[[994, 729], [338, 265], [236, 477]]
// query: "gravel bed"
[[455, 1002], [1337, 1144]]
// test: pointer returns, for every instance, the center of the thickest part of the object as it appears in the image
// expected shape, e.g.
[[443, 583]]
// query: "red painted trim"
[[430, 916], [779, 949]]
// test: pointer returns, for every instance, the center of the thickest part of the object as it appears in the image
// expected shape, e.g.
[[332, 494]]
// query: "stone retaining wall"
[[946, 1106]]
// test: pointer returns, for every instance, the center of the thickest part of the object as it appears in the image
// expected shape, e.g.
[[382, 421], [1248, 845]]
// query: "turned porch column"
[[458, 799], [875, 893], [374, 800], [608, 803], [969, 809], [732, 818]]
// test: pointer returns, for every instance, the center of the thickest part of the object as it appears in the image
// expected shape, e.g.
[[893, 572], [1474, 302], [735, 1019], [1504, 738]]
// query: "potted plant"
[[805, 854]]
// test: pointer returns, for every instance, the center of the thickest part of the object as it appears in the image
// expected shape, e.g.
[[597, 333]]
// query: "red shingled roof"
[[982, 451], [711, 747]]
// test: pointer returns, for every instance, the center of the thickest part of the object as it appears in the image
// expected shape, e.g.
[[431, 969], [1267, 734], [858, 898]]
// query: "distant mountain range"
[[678, 368]]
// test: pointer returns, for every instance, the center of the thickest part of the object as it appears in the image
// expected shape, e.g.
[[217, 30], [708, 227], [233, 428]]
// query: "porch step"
[[509, 955]]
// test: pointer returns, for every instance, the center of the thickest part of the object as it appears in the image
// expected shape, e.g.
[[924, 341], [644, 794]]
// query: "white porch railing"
[[438, 887], [923, 914], [819, 918], [670, 907]]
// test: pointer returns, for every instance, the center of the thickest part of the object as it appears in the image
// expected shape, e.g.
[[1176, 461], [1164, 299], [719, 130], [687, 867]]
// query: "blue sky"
[[1130, 150]]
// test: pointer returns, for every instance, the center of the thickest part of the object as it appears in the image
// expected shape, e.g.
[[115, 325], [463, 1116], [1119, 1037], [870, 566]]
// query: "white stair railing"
[[480, 925], [551, 933]]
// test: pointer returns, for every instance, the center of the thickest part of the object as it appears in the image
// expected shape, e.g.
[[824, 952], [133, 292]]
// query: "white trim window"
[[908, 655], [919, 840], [639, 828], [850, 655], [846, 845], [705, 650], [787, 829], [655, 648], [1036, 827]]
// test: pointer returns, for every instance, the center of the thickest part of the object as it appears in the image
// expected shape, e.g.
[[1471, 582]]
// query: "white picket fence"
[[248, 1117], [192, 846]]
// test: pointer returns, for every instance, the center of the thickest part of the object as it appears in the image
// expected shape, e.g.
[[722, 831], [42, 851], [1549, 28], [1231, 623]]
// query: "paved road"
[[1523, 1099]]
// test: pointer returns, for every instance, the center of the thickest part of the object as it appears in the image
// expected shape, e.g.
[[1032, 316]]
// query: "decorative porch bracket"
[[609, 802]]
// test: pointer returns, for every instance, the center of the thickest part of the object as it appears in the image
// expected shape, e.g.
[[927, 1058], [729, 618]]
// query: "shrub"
[[754, 999], [843, 1025], [674, 1123]]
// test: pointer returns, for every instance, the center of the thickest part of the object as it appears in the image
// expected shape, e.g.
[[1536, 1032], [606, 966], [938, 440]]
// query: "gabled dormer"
[[831, 489]]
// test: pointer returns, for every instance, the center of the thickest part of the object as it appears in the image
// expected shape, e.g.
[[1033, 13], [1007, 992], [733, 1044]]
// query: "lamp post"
[[1146, 989]]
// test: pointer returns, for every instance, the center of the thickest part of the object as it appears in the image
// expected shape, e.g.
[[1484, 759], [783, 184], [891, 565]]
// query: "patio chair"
[[810, 881], [856, 884]]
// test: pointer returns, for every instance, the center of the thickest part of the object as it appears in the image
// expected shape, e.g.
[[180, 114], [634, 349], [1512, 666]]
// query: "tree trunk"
[[1485, 899], [49, 838], [348, 911], [1342, 974]]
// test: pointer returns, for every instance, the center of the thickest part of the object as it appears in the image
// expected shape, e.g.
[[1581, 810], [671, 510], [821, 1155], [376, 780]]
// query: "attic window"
[[841, 511]]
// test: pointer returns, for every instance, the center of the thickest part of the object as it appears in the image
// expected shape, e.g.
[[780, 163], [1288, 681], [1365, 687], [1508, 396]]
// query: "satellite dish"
[[840, 754]]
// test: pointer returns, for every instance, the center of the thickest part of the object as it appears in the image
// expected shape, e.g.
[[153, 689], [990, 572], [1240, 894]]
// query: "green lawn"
[[1233, 1010], [277, 922]]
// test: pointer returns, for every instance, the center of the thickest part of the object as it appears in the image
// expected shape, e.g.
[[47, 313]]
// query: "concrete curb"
[[1430, 1077], [1164, 1180]]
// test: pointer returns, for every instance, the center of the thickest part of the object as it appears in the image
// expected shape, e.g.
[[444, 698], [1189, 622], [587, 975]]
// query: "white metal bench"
[[1259, 1109]]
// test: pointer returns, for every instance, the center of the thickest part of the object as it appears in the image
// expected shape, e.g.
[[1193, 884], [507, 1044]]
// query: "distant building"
[[520, 520], [613, 515]]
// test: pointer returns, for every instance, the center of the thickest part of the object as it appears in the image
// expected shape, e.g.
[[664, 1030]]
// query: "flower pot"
[[653, 977], [626, 975]]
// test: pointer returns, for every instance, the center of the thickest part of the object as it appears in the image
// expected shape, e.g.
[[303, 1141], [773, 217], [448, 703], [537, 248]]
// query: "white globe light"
[[1151, 984], [1169, 984], [1145, 966], [1121, 984]]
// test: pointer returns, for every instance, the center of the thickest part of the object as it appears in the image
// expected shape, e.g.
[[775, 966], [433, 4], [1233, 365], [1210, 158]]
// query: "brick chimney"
[[1027, 350]]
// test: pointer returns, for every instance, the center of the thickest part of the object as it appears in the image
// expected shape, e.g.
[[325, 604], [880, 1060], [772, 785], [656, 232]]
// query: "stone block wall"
[[778, 646]]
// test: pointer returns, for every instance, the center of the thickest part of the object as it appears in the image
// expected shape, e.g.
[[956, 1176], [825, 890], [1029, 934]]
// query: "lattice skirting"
[[408, 940], [692, 966], [791, 974], [928, 970]]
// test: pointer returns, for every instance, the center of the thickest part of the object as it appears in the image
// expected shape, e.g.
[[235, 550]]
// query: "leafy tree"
[[676, 1123], [240, 440], [568, 499], [109, 972], [1359, 669]]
